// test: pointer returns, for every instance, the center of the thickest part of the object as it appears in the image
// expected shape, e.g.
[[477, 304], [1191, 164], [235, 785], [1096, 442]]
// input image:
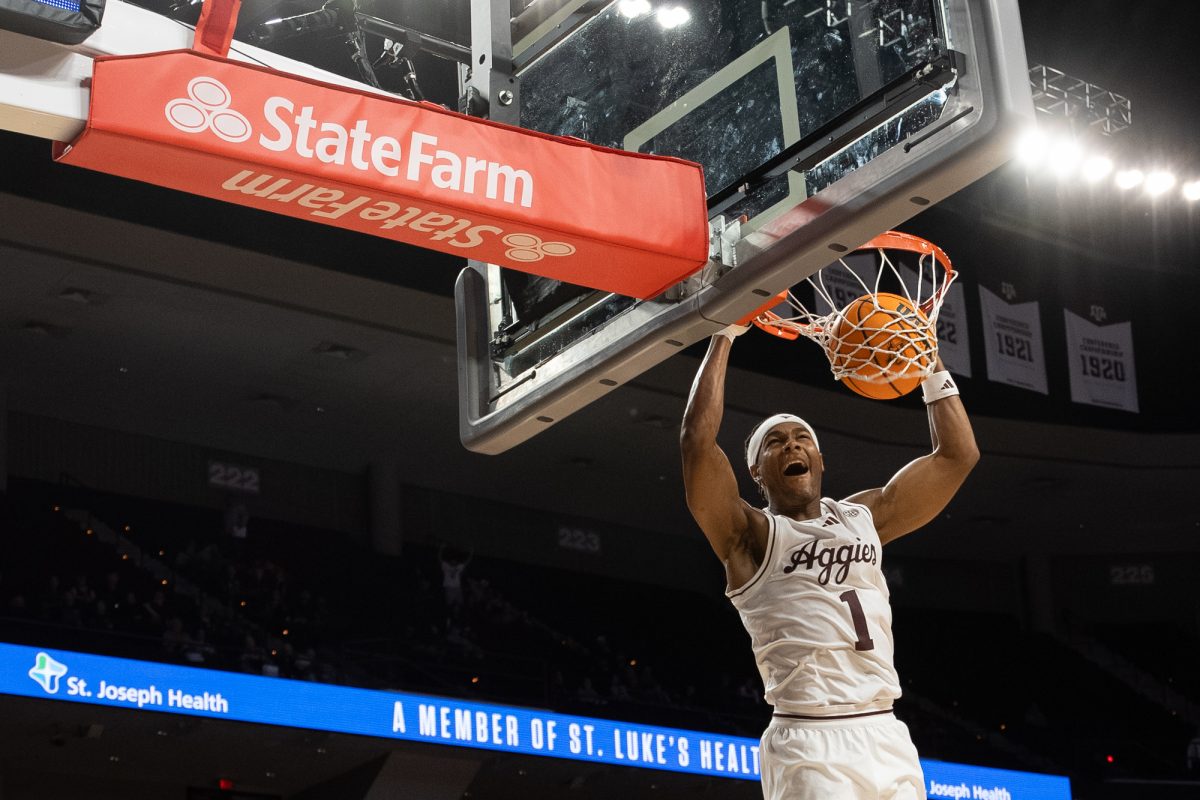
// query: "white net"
[[870, 334]]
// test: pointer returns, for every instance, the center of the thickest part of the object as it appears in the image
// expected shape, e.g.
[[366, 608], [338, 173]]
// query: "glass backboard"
[[819, 124]]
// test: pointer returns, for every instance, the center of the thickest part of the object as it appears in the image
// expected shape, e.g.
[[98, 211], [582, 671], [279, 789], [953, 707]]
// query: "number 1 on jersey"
[[864, 642]]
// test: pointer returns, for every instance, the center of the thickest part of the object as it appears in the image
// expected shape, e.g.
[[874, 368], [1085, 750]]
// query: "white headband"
[[754, 445]]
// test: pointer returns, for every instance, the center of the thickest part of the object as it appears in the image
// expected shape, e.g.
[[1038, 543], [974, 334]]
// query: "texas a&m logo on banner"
[[1101, 362], [1013, 338]]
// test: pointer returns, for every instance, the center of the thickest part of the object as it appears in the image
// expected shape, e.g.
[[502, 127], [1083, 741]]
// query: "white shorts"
[[861, 758]]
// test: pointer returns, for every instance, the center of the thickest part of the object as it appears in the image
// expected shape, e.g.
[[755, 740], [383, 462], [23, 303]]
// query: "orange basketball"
[[876, 342]]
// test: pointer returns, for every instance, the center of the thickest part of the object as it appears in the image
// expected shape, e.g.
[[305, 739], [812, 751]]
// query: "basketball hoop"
[[877, 337]]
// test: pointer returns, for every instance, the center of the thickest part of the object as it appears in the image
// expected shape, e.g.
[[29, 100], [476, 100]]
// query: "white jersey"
[[818, 615]]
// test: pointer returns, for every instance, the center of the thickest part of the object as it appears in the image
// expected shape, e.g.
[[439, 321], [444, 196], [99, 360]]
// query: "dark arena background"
[[244, 553]]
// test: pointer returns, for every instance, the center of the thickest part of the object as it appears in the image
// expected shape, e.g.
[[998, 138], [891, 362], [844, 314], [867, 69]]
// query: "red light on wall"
[[226, 785], [1109, 759]]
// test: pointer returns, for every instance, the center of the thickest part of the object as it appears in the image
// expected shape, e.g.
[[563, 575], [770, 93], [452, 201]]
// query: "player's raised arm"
[[922, 488], [736, 531]]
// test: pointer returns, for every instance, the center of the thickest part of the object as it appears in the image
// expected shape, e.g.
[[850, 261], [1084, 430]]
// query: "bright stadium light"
[[1191, 191], [1065, 156], [633, 9], [1096, 168], [1031, 147], [1129, 178], [1158, 182], [672, 16]]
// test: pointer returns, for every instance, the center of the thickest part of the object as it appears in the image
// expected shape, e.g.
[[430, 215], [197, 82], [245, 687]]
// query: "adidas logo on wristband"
[[937, 386]]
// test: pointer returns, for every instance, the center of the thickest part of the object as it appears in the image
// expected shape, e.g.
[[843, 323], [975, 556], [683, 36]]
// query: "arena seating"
[[156, 581]]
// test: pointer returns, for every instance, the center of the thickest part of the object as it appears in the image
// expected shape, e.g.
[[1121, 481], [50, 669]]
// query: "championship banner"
[[1102, 368], [1014, 342], [64, 676], [954, 344], [621, 222], [841, 285]]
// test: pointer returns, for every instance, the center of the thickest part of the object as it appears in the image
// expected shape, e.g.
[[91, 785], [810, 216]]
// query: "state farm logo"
[[207, 108], [527, 248], [328, 128]]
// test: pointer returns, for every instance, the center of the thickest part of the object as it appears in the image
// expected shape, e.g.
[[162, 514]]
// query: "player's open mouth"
[[795, 468]]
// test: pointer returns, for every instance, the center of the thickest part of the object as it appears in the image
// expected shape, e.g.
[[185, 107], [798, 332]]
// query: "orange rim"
[[895, 240], [772, 323]]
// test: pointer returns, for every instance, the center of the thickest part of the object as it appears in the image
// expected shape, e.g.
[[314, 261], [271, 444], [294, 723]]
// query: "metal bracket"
[[723, 236], [493, 89]]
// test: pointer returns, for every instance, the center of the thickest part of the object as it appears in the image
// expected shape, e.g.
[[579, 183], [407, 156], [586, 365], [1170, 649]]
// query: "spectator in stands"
[[270, 666], [303, 612], [303, 665], [196, 649], [17, 606], [587, 692], [173, 638], [275, 615], [748, 692], [185, 557], [111, 592], [208, 565], [618, 692], [12, 601], [69, 612], [556, 690], [649, 689], [232, 584], [458, 637], [252, 657], [453, 562], [85, 595], [1034, 716], [50, 600], [96, 616], [1193, 755], [128, 615], [237, 528], [237, 521], [155, 611]]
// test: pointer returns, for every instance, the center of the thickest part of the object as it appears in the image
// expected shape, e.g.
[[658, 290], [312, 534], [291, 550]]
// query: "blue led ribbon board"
[[62, 21], [148, 686], [65, 5]]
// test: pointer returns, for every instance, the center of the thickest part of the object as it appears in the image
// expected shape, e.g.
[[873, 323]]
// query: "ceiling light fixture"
[[1065, 156], [268, 400], [1031, 147], [341, 352], [1129, 178], [75, 295], [1158, 182], [1096, 169], [40, 328], [632, 9], [672, 16]]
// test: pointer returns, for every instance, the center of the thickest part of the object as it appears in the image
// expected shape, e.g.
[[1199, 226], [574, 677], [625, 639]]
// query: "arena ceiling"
[[142, 310]]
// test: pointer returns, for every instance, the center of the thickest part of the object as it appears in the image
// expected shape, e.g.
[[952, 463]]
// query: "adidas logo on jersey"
[[829, 521], [825, 559]]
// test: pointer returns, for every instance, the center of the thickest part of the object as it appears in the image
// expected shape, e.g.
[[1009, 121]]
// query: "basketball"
[[880, 341]]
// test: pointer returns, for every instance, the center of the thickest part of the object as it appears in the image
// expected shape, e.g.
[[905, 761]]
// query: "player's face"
[[789, 466]]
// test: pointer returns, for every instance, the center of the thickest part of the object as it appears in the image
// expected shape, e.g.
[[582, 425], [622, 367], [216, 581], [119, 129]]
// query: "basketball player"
[[804, 574]]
